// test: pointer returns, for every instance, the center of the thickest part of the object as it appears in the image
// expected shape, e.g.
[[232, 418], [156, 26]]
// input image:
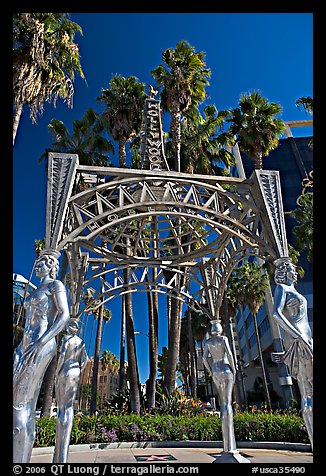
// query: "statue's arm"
[[62, 318], [85, 358], [230, 356], [278, 314], [205, 358]]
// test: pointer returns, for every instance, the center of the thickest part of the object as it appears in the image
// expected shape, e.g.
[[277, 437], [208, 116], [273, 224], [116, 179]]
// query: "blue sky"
[[272, 52]]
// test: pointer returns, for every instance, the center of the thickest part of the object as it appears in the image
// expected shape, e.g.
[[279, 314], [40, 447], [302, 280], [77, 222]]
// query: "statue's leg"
[[306, 391], [225, 395], [65, 419], [23, 433], [26, 389], [66, 385]]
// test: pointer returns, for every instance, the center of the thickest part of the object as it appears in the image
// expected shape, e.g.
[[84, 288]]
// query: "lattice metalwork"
[[201, 226]]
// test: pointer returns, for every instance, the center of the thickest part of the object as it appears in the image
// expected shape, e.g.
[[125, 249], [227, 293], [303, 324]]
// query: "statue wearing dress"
[[219, 361], [72, 359], [290, 311], [47, 314]]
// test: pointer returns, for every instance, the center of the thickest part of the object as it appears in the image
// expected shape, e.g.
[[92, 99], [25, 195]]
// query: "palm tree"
[[183, 78], [307, 103], [124, 102], [45, 59], [87, 140], [255, 126], [109, 361], [251, 284], [203, 150], [304, 230]]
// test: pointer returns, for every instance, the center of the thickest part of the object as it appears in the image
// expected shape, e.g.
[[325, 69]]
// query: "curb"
[[267, 445]]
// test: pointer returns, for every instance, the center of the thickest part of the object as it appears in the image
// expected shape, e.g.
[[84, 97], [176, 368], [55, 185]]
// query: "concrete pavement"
[[179, 452]]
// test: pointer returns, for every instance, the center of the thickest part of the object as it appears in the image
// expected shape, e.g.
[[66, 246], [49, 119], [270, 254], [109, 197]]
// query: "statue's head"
[[73, 326], [216, 327], [285, 271], [48, 259]]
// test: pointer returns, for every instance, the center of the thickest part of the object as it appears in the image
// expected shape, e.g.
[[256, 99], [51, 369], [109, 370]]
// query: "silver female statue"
[[47, 314], [222, 367], [72, 360], [290, 311]]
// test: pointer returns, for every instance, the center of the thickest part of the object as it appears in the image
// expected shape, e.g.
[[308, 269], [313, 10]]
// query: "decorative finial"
[[152, 91]]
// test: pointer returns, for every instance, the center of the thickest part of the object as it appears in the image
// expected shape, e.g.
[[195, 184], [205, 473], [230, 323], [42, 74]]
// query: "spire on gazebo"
[[152, 144]]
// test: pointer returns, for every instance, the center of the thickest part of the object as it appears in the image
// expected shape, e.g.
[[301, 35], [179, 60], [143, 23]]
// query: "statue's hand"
[[29, 356]]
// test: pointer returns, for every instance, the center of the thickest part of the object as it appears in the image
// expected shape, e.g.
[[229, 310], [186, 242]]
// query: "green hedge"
[[259, 426]]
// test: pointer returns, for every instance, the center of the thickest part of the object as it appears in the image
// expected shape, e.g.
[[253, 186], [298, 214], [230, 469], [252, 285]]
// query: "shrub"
[[248, 426]]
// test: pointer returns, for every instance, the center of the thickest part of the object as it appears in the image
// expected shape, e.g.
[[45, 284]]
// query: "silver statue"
[[72, 359], [219, 361], [47, 314], [290, 311]]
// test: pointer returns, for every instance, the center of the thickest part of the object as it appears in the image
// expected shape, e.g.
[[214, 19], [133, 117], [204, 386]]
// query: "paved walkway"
[[179, 452]]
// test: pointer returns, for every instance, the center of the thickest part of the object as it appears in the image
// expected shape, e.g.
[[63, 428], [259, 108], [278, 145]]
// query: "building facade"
[[107, 385]]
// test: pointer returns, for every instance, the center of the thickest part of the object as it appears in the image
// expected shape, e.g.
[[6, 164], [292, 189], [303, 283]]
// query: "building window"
[[252, 341], [248, 321], [264, 326]]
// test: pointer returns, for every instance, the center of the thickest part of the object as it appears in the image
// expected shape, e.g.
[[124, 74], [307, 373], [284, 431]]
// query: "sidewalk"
[[179, 452]]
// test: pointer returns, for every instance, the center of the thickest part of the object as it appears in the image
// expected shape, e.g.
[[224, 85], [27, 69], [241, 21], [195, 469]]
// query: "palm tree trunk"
[[17, 115], [122, 347], [97, 356], [122, 153], [132, 357], [176, 138], [173, 345], [131, 345], [259, 161], [153, 342], [192, 369]]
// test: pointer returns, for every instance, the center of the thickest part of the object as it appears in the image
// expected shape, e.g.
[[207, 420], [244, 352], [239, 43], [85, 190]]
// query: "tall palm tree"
[[255, 125], [251, 283], [183, 78], [124, 104], [45, 59], [87, 140]]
